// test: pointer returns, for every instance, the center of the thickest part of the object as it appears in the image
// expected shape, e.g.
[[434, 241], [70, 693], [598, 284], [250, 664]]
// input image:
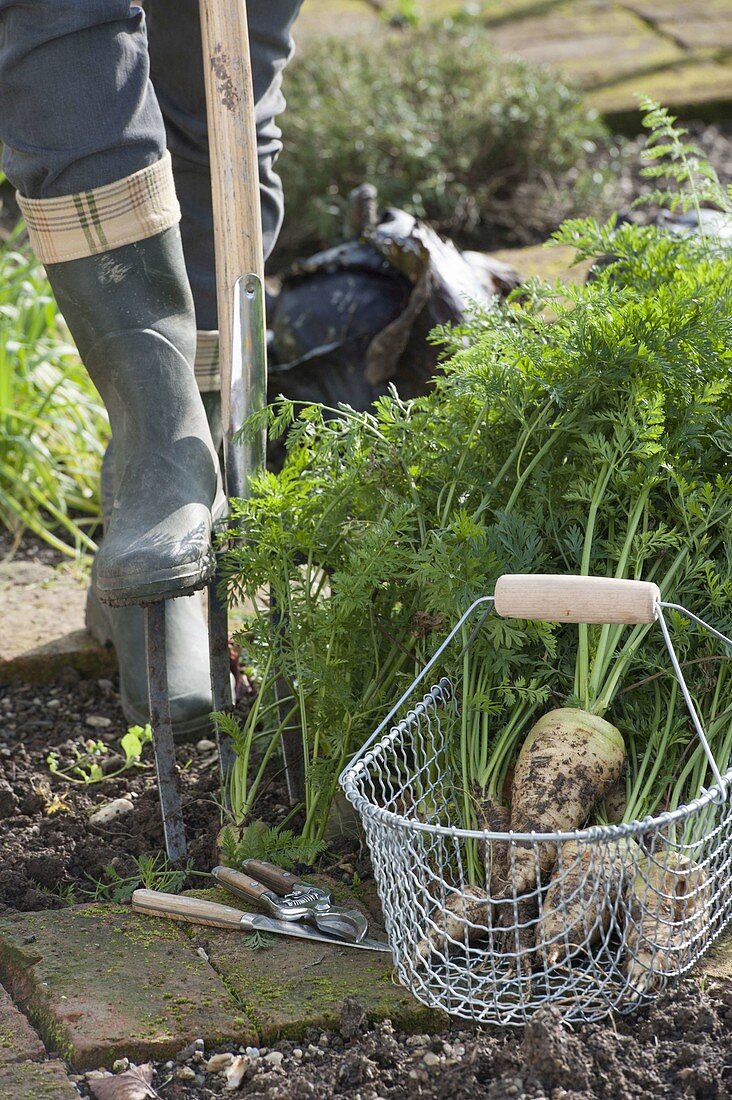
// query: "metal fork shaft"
[[218, 647], [164, 747]]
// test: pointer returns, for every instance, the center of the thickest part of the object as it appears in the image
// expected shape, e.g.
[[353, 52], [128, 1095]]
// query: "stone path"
[[676, 51], [100, 983], [42, 616], [42, 612]]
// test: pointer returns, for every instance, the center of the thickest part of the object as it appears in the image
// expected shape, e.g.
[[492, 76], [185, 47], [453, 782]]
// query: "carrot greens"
[[575, 430]]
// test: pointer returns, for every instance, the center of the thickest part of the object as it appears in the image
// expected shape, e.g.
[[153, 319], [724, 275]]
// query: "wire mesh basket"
[[625, 909]]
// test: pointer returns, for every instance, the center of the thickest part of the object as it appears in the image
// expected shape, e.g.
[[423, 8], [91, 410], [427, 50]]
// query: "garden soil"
[[682, 1047]]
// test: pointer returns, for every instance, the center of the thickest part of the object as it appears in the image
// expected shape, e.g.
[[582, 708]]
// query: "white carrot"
[[457, 919], [583, 893], [569, 761], [666, 907]]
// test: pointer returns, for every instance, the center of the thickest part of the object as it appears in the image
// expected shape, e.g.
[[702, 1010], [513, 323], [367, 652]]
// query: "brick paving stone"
[[689, 90], [100, 983], [597, 46], [18, 1041], [36, 1081], [295, 984], [42, 612], [718, 962]]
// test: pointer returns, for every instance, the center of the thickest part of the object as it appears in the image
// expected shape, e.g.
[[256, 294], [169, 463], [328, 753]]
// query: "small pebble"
[[274, 1057], [185, 1073], [202, 954], [204, 745], [297, 1054], [105, 685], [97, 722], [111, 811], [194, 1047], [252, 1052], [431, 1059], [53, 704], [418, 1041], [323, 1041], [218, 1063], [121, 1065]]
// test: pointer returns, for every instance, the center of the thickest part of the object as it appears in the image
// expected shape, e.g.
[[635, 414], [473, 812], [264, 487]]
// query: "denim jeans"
[[92, 91]]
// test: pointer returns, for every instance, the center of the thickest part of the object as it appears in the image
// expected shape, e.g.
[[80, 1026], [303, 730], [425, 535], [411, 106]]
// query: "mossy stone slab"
[[718, 962], [695, 89], [706, 34], [298, 984], [36, 1081], [658, 11], [35, 599], [336, 19], [495, 12], [18, 1041], [594, 46], [100, 983], [549, 262]]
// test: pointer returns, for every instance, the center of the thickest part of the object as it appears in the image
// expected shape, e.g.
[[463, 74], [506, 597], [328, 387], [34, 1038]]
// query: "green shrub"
[[53, 426], [480, 144]]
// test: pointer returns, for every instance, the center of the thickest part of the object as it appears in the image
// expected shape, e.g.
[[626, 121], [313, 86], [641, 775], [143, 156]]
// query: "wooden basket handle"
[[556, 598]]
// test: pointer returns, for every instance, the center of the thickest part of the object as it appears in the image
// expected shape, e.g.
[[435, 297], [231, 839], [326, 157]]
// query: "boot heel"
[[96, 619]]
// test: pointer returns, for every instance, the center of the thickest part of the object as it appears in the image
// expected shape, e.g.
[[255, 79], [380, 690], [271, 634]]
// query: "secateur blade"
[[346, 924]]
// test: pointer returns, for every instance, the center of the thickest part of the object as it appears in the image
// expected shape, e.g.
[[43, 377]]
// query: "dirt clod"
[[353, 1018], [552, 1054]]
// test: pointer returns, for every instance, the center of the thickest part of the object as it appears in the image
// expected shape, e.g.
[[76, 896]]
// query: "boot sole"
[[168, 584]]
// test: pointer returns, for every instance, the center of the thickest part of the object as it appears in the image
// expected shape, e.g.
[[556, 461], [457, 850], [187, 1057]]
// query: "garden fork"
[[242, 356]]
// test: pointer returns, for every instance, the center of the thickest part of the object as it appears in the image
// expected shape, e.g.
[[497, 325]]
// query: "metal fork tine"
[[164, 747]]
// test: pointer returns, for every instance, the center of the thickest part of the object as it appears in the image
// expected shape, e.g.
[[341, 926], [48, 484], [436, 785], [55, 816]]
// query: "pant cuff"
[[206, 365], [71, 227]]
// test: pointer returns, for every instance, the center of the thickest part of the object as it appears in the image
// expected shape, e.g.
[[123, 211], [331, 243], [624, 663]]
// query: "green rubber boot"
[[130, 312], [186, 630]]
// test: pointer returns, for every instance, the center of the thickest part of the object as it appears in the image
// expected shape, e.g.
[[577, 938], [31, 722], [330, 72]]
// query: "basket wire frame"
[[628, 907]]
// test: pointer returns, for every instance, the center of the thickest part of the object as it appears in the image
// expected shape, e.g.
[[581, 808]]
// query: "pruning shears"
[[290, 899]]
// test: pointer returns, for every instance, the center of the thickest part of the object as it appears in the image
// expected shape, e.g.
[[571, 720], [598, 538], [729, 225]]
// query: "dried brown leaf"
[[134, 1084]]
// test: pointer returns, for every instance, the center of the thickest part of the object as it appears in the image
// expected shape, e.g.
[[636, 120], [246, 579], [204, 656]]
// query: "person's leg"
[[78, 109], [178, 77], [85, 145]]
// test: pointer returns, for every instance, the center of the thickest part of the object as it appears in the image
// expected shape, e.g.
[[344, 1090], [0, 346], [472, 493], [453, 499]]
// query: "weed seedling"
[[89, 763]]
